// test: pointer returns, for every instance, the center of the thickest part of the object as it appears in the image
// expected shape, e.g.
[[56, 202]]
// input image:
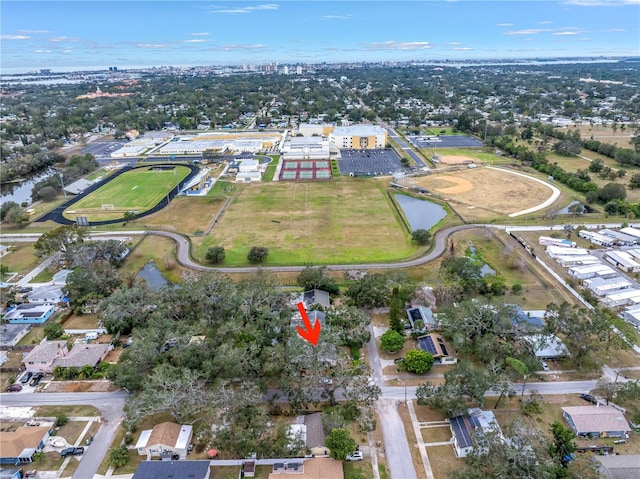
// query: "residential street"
[[110, 405]]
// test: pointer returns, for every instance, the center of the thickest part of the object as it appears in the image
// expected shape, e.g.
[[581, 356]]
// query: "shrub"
[[418, 361], [391, 341], [61, 420], [257, 254]]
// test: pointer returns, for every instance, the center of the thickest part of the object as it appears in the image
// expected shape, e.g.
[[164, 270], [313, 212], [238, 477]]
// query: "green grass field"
[[350, 221], [136, 190]]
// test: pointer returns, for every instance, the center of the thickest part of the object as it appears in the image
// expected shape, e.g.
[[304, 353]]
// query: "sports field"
[[137, 190], [483, 193], [312, 222]]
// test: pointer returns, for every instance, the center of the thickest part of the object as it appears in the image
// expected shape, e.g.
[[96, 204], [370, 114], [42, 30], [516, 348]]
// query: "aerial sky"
[[80, 34]]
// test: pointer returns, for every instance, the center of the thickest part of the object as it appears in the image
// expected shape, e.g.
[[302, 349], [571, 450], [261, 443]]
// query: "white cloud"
[[545, 22], [463, 48], [238, 46], [63, 39], [152, 45], [200, 34], [250, 9], [33, 32], [393, 45], [504, 24], [14, 37], [566, 33], [601, 3], [336, 17], [195, 40], [42, 51], [530, 31], [454, 43], [585, 39], [613, 30]]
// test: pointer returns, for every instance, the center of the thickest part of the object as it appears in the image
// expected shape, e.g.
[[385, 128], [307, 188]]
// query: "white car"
[[545, 366], [354, 456]]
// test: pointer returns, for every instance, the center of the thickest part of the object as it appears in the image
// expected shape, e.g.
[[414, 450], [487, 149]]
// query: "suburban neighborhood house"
[[19, 446], [47, 355], [625, 466], [599, 421], [471, 429], [173, 470], [46, 294], [316, 468], [314, 296], [424, 314], [30, 313], [165, 440]]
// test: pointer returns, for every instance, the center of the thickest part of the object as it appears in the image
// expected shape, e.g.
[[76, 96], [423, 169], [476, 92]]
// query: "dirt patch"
[[460, 185], [456, 160], [80, 387], [493, 193]]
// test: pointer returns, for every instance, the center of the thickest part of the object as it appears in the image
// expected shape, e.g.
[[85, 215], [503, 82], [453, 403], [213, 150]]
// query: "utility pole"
[[62, 183]]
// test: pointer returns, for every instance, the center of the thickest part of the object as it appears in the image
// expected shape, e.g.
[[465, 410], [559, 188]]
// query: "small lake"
[[20, 192], [152, 275], [421, 214]]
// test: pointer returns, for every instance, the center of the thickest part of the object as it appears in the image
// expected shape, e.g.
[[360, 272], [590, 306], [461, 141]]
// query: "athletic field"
[[137, 190]]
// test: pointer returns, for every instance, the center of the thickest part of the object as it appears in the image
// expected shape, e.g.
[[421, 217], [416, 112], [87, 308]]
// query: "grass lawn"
[[270, 172], [49, 461], [135, 190], [85, 321], [79, 410], [349, 221], [22, 258], [43, 277], [357, 470], [71, 431], [188, 215], [158, 249]]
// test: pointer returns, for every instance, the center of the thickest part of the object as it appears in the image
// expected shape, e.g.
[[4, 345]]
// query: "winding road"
[[183, 255]]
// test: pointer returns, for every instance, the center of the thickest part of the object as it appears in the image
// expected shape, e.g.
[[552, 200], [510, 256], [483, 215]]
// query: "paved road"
[[439, 247], [405, 146], [111, 408]]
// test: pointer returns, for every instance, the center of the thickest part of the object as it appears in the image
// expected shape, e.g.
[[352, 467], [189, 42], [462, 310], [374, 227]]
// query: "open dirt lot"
[[484, 193], [456, 160]]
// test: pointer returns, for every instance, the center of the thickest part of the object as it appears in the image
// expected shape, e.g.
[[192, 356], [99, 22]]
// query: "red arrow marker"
[[309, 333]]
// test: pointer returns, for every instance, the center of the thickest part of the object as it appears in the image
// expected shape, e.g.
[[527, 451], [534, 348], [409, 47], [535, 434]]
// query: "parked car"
[[589, 397], [544, 365], [14, 388], [26, 376], [35, 380], [88, 441], [72, 451], [354, 456]]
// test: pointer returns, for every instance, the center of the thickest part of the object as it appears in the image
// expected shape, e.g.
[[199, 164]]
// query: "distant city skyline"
[[80, 34]]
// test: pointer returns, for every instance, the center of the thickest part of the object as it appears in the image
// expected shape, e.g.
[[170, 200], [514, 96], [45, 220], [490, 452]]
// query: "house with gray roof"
[[424, 314], [470, 430], [619, 466], [30, 313], [11, 334], [47, 355], [598, 421], [83, 355], [50, 293], [173, 470]]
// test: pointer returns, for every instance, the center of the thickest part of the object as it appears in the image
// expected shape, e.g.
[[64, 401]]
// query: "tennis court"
[[305, 170]]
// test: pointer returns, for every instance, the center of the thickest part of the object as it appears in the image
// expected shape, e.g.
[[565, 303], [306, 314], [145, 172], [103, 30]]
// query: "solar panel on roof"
[[426, 343], [443, 347], [460, 431], [31, 315], [415, 314]]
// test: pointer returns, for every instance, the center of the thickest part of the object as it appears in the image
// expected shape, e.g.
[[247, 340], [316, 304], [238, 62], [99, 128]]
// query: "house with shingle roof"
[[47, 355], [50, 293], [19, 446], [598, 421], [41, 358], [619, 466], [165, 440], [316, 468], [173, 470], [471, 430]]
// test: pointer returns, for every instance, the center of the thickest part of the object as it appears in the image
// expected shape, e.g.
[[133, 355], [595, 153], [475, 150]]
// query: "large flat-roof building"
[[359, 137]]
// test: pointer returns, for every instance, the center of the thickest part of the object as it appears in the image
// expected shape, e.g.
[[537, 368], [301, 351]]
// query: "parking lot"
[[369, 162], [104, 148], [445, 141]]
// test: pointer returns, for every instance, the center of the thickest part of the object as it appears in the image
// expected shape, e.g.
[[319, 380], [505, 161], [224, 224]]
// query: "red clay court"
[[306, 170]]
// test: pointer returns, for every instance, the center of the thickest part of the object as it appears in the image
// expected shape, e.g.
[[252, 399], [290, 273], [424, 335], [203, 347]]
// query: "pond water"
[[565, 210], [20, 192], [421, 214], [152, 275]]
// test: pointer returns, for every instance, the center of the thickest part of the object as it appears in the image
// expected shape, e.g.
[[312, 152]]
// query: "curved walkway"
[[183, 255], [548, 202]]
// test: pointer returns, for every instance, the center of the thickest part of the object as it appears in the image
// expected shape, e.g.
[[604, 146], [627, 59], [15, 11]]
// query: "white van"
[[91, 336]]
